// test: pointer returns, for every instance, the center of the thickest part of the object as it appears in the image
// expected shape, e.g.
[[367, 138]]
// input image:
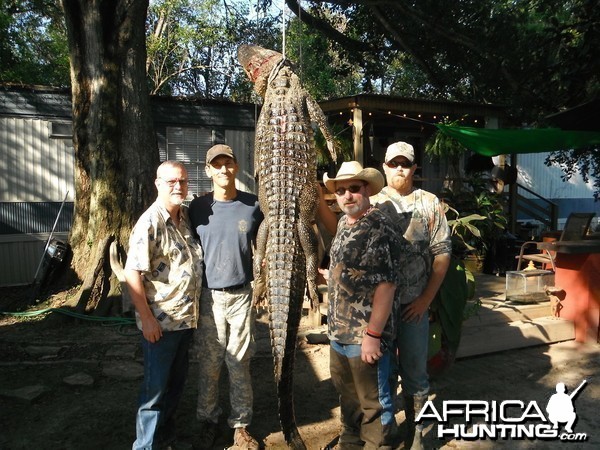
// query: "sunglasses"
[[353, 188], [404, 164]]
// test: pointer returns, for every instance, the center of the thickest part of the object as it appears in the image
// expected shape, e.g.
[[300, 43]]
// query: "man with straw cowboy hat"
[[362, 279]]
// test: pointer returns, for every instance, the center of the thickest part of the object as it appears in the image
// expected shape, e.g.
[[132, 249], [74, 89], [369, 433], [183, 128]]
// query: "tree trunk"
[[116, 153]]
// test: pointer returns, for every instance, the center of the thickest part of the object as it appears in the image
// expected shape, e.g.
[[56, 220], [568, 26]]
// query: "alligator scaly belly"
[[285, 262]]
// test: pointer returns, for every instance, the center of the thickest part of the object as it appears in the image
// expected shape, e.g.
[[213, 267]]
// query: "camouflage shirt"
[[363, 255], [419, 217], [170, 259]]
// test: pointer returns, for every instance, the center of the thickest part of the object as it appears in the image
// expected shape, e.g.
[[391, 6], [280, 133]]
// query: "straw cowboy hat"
[[352, 170]]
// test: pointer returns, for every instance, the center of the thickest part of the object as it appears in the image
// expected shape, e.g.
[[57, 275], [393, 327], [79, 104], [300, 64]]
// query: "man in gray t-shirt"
[[226, 221]]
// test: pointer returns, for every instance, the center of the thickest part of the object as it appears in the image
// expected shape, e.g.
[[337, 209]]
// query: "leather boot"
[[418, 403], [409, 414]]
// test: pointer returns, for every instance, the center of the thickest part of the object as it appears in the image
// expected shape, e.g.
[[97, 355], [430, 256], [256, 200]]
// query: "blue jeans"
[[413, 341], [166, 365]]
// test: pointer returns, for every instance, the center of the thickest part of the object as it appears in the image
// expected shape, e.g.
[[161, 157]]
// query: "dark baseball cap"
[[219, 150]]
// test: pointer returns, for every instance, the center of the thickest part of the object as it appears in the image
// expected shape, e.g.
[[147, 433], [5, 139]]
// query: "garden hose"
[[104, 320]]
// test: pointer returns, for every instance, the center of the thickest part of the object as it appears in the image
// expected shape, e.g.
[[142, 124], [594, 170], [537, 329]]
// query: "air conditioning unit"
[[61, 130]]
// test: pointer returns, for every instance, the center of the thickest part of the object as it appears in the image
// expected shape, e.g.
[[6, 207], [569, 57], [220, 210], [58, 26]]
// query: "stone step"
[[490, 338]]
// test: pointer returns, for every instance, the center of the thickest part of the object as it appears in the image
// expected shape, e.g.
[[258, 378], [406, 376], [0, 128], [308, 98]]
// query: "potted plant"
[[466, 238]]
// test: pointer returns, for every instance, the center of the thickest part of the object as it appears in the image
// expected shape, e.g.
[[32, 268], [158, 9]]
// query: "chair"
[[575, 229]]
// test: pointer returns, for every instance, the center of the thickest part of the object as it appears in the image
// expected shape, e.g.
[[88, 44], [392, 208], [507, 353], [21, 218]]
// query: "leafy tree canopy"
[[534, 56], [192, 46], [33, 43]]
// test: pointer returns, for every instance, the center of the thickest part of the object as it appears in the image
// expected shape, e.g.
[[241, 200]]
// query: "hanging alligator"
[[285, 261]]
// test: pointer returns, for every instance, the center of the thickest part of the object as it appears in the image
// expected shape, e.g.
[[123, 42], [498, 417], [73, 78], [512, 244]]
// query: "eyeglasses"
[[229, 164], [172, 183], [394, 164], [353, 188]]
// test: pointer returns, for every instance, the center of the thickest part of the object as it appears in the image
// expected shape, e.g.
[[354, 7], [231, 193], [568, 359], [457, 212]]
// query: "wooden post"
[[512, 199], [357, 135]]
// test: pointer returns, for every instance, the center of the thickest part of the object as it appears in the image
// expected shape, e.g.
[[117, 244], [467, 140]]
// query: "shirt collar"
[[165, 214]]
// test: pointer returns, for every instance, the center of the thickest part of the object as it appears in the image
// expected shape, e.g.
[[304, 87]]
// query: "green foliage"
[[442, 146], [427, 49], [458, 50], [585, 161], [476, 217], [33, 43], [342, 142], [473, 306], [536, 57], [464, 231], [309, 50], [192, 47]]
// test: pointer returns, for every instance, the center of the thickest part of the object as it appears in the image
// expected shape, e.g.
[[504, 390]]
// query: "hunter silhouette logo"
[[560, 407], [507, 419]]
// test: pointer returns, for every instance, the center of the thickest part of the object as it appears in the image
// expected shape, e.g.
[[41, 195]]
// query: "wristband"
[[372, 334]]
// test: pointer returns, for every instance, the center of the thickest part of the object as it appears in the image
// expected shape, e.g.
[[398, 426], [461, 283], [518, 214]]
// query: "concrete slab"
[[528, 374]]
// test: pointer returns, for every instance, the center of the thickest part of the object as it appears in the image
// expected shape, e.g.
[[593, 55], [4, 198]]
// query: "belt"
[[237, 287]]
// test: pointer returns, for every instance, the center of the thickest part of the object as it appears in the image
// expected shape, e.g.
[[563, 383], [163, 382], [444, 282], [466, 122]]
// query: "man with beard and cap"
[[420, 218], [362, 278], [164, 274]]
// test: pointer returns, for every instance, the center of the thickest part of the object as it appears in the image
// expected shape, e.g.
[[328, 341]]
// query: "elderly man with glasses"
[[164, 274]]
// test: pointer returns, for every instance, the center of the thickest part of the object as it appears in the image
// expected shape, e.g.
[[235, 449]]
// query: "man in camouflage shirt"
[[362, 279], [419, 217], [164, 273]]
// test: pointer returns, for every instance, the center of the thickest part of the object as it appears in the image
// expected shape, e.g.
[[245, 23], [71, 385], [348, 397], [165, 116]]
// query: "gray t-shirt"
[[226, 231]]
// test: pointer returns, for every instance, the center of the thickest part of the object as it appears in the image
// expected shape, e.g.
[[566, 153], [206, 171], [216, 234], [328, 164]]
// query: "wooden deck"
[[498, 325]]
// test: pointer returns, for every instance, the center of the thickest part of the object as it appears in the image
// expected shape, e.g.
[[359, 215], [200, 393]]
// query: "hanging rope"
[[283, 28], [300, 26]]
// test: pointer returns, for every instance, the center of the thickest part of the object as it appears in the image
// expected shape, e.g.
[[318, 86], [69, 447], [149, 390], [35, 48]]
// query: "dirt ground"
[[72, 384], [40, 409]]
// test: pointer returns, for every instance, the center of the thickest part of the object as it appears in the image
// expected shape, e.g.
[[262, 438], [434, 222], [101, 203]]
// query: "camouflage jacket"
[[419, 217], [363, 255]]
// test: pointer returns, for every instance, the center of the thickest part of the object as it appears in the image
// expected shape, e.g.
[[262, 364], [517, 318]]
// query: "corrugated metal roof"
[[203, 112], [35, 103], [56, 104]]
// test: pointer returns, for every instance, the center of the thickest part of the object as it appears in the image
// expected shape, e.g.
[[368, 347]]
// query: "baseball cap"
[[219, 150], [400, 149]]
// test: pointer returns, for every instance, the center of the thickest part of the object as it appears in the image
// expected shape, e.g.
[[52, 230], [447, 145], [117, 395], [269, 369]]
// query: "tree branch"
[[395, 35], [323, 26]]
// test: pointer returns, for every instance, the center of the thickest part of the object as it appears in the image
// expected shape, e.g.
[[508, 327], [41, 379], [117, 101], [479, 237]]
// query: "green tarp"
[[490, 142]]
